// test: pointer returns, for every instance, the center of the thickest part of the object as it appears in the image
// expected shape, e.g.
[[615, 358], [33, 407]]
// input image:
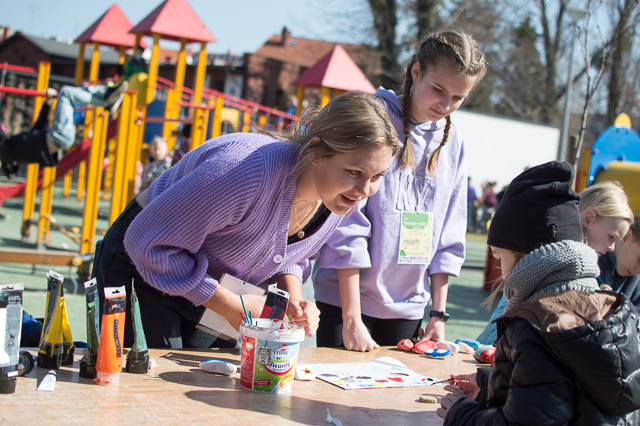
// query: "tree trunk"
[[426, 16], [384, 23], [621, 47]]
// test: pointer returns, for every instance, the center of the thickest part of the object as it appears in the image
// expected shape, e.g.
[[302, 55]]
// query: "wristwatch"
[[439, 314]]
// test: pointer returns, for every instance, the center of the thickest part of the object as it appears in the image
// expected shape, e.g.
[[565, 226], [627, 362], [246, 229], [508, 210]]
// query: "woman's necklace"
[[307, 212]]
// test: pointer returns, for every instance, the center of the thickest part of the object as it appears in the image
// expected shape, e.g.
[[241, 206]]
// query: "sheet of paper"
[[216, 324], [385, 372]]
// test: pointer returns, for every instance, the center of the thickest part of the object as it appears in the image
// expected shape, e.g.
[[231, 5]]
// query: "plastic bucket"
[[269, 355]]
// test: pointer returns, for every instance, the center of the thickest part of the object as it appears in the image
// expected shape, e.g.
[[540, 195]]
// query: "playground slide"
[[68, 162]]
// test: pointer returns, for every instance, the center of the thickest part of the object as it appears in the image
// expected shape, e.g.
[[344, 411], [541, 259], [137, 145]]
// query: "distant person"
[[566, 354], [42, 144], [472, 205], [183, 143], [620, 268], [135, 64], [159, 161], [489, 202]]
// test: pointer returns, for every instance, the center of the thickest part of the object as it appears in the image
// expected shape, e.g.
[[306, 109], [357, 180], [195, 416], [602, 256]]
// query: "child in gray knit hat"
[[566, 353]]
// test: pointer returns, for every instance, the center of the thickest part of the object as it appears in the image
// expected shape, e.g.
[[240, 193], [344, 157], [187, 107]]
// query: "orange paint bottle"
[[109, 363]]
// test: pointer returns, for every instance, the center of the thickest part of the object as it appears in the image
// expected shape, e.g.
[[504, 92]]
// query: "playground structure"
[[156, 108], [615, 156]]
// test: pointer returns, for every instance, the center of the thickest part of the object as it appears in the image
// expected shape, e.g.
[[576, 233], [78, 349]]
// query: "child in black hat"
[[566, 353]]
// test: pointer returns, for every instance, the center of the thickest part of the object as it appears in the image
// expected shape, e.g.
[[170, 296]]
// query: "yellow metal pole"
[[66, 189], [262, 120], [197, 128], [153, 69], [122, 56], [583, 173], [201, 71], [46, 200], [126, 121], [108, 174], [31, 186], [216, 127], [133, 154], [246, 122], [325, 97], [96, 156], [170, 106], [300, 100], [338, 92]]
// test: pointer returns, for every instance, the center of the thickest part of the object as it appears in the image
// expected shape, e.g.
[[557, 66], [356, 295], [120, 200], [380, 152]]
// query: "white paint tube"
[[10, 329]]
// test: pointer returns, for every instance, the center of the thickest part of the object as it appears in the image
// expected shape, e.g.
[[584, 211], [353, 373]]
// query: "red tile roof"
[[174, 19], [335, 70], [111, 29]]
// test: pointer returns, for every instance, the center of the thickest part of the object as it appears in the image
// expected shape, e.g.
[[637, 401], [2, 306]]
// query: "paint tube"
[[10, 325], [68, 349], [51, 347], [88, 361], [138, 356], [109, 362]]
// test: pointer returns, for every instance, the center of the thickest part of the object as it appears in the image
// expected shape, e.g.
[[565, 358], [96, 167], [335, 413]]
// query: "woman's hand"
[[229, 305], [467, 383], [448, 400], [356, 337], [306, 314]]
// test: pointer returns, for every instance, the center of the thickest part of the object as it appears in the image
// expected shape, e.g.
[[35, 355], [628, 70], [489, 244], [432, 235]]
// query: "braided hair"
[[463, 54]]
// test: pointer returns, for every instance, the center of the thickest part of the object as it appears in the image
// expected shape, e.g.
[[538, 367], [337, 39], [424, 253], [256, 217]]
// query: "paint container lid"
[[137, 362], [88, 367], [8, 379], [107, 379]]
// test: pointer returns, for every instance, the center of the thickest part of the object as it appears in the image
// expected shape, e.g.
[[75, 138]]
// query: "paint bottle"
[[109, 362], [50, 348], [138, 356], [68, 348], [10, 328], [88, 361]]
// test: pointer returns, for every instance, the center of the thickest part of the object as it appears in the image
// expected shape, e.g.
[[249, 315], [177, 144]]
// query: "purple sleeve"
[[164, 240], [349, 245], [449, 256], [300, 270]]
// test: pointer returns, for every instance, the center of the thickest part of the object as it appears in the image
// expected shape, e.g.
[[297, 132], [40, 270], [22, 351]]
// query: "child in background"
[[368, 291], [620, 269], [605, 217], [160, 161], [566, 354]]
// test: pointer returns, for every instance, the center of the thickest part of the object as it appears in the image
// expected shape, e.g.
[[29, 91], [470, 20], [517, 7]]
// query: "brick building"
[[271, 69]]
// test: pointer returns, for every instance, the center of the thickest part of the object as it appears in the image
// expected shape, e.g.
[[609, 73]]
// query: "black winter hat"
[[538, 208]]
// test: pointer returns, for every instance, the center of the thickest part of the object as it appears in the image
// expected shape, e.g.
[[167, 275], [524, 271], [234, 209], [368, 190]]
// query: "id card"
[[416, 233]]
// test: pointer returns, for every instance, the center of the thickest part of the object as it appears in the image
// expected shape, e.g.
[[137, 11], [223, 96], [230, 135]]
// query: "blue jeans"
[[62, 132]]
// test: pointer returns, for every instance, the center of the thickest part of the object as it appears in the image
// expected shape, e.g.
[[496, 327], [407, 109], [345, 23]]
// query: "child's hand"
[[448, 400], [356, 337], [304, 313], [466, 383], [50, 94]]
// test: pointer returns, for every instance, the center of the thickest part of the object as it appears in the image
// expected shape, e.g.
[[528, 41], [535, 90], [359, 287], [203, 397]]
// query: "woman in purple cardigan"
[[256, 206]]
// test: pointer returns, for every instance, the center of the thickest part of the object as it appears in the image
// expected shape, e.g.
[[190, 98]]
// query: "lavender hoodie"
[[224, 208], [369, 238]]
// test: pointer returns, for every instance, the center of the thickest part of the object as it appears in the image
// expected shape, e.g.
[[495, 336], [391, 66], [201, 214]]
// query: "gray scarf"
[[555, 267]]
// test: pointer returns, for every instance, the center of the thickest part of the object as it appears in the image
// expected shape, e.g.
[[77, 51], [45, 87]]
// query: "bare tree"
[[385, 20], [621, 44], [606, 50]]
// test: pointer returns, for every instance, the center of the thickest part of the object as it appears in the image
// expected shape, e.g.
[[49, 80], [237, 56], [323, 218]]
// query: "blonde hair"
[[606, 199], [462, 53], [350, 122]]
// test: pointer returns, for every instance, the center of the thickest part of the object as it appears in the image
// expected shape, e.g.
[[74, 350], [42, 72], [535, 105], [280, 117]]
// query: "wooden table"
[[177, 391]]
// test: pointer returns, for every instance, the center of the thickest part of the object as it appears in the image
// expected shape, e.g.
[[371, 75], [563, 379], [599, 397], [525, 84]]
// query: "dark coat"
[[568, 358], [629, 286]]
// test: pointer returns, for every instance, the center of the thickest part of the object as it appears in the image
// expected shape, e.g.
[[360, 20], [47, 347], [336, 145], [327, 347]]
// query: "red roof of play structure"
[[174, 19], [336, 70], [111, 29]]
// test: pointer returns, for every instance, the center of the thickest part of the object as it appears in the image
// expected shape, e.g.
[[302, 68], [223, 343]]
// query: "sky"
[[238, 25]]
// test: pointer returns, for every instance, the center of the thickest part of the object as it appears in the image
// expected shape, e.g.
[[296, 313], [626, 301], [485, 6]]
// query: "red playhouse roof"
[[335, 70], [111, 29], [173, 20]]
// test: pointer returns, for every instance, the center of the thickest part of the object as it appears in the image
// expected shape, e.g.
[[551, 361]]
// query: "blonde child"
[[372, 281], [566, 353], [160, 161]]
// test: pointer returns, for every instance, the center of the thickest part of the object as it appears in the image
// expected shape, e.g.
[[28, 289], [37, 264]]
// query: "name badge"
[[416, 233]]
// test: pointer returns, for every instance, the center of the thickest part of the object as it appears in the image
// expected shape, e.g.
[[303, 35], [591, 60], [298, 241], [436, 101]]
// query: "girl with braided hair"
[[374, 278]]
